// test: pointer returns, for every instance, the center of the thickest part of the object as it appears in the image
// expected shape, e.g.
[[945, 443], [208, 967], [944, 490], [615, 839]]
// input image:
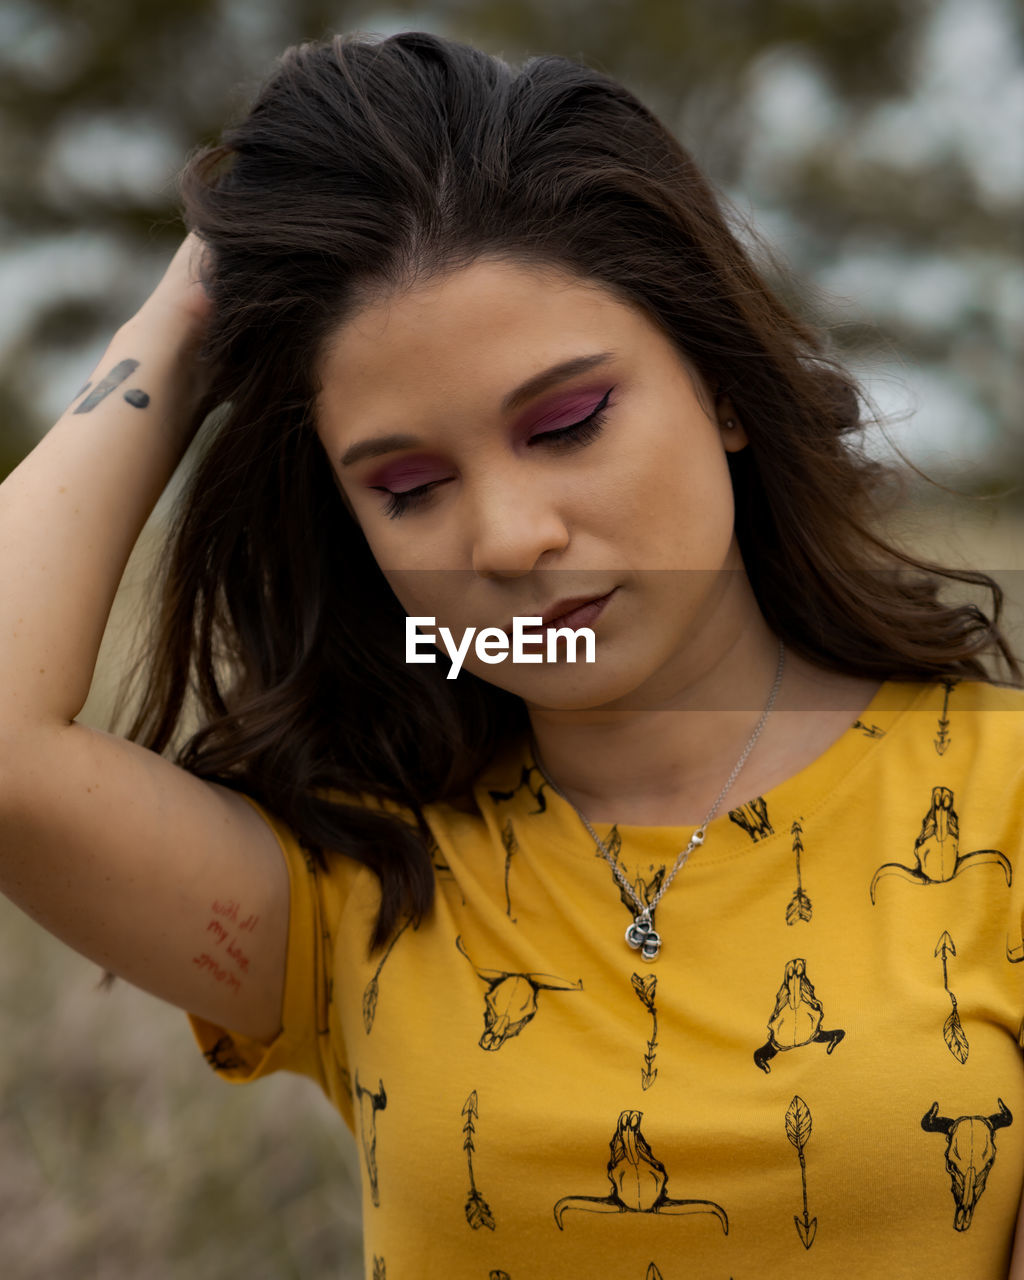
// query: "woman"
[[488, 351]]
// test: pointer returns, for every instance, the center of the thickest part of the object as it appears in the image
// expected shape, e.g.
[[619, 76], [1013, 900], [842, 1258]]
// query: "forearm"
[[71, 512]]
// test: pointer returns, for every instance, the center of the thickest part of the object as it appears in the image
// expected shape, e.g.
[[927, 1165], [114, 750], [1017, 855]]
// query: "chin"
[[578, 687]]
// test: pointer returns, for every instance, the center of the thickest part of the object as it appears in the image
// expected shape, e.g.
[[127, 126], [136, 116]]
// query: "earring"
[[730, 423]]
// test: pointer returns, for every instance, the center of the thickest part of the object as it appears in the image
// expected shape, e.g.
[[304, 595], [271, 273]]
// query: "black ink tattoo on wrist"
[[135, 397]]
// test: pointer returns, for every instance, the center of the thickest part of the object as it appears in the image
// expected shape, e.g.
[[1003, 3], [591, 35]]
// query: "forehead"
[[470, 334]]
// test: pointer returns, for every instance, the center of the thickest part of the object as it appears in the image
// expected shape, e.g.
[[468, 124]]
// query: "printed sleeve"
[[304, 1044], [1012, 805]]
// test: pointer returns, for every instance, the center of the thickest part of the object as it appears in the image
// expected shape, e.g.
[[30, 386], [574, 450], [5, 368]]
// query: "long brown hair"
[[363, 165]]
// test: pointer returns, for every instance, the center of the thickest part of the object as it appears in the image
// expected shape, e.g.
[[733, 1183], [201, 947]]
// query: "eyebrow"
[[515, 399]]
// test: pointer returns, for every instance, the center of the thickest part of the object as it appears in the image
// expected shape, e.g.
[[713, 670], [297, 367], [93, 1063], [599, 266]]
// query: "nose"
[[514, 528]]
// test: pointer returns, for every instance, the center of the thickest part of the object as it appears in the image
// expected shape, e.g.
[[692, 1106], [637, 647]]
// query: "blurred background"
[[877, 146]]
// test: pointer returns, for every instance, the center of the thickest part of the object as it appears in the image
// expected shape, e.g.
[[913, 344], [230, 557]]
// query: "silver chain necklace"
[[641, 934]]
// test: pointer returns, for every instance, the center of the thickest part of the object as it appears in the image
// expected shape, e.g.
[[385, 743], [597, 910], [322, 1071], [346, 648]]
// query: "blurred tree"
[[100, 102], [876, 141], [881, 143]]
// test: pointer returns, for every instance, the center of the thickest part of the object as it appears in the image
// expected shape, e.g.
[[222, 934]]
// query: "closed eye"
[[400, 502], [576, 435]]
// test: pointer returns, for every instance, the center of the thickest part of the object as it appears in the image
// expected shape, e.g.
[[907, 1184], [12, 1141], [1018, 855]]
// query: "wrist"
[[154, 358], [165, 327]]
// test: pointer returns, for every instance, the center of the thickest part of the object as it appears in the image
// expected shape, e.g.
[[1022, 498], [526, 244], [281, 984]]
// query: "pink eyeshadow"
[[407, 473], [562, 412]]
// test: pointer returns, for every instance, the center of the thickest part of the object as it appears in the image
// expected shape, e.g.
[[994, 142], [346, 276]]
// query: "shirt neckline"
[[757, 820]]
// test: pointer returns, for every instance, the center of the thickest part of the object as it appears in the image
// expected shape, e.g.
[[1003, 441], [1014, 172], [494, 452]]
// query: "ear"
[[734, 437]]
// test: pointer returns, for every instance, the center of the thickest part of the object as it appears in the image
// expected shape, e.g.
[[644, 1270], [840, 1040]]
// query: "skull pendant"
[[643, 937], [651, 946]]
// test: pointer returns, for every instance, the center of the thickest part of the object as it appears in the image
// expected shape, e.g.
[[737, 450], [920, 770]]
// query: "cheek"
[[408, 587], [428, 593], [402, 548], [680, 490], [391, 547]]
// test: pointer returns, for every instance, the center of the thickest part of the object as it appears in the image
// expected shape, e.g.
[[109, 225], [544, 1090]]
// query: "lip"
[[573, 611]]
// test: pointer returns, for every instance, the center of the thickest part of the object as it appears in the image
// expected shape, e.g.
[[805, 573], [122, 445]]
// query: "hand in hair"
[[181, 295], [176, 317]]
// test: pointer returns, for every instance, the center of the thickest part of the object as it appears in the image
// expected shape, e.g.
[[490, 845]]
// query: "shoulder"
[[991, 716], [963, 739], [982, 695], [979, 708], [973, 742]]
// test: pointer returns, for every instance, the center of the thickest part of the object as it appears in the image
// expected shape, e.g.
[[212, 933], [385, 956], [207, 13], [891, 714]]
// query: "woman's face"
[[512, 439]]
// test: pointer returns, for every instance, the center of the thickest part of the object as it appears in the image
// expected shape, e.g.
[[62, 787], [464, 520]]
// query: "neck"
[[666, 765]]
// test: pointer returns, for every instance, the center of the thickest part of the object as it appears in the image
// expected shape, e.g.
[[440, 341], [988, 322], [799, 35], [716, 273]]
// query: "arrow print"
[[942, 741], [800, 904], [478, 1211], [952, 1030], [645, 986], [798, 1131]]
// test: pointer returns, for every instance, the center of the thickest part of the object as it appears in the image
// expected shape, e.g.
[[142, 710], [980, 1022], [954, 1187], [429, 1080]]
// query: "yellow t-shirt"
[[819, 1076]]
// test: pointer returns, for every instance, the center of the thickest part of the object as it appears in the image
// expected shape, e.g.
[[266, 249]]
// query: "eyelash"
[[576, 435]]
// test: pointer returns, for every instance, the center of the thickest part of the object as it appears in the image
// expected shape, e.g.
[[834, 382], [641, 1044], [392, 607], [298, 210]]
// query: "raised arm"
[[121, 854]]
